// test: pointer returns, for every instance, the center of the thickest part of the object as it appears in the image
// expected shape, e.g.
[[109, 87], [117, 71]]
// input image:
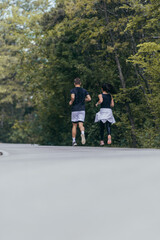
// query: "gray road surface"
[[79, 193]]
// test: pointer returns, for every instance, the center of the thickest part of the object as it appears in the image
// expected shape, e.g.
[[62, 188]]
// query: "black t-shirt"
[[106, 101], [79, 101]]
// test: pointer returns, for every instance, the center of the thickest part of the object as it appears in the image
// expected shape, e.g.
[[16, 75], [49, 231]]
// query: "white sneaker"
[[83, 140], [74, 144]]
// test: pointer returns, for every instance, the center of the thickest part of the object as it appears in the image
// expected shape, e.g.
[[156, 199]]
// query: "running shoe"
[[109, 140], [101, 143], [74, 144], [83, 140]]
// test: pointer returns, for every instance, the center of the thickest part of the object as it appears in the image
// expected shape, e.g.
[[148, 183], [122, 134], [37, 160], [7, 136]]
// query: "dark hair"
[[77, 81], [108, 87]]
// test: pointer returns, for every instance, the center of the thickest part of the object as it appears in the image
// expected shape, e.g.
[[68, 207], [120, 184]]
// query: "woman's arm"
[[112, 102], [100, 100], [88, 98]]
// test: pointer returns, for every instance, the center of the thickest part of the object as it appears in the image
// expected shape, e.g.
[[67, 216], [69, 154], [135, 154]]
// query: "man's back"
[[78, 98], [79, 101]]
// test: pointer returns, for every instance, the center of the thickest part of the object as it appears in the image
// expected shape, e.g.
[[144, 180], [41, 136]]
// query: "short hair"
[[77, 81]]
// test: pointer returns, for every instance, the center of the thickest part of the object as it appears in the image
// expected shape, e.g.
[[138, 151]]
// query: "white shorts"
[[78, 116]]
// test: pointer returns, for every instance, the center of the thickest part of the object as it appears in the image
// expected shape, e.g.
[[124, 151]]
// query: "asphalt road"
[[79, 193]]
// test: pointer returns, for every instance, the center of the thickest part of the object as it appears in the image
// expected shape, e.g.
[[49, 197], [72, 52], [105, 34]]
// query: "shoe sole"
[[83, 140], [109, 141]]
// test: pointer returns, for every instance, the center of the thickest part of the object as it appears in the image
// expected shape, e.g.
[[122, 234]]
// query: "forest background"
[[44, 45]]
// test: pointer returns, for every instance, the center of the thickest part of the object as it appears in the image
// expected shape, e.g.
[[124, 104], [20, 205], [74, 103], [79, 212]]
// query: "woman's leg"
[[108, 125], [102, 126]]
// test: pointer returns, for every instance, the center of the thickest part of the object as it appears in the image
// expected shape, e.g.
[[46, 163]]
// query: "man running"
[[78, 98]]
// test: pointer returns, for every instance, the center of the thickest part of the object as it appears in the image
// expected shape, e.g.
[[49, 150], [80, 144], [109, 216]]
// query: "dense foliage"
[[43, 49]]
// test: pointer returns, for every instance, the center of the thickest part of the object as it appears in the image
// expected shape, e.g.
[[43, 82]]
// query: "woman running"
[[105, 115]]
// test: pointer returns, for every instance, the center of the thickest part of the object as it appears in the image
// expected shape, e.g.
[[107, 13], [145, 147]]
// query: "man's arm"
[[88, 98], [72, 99]]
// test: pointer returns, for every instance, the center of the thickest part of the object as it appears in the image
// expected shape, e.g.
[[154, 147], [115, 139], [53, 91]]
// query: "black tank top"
[[106, 101]]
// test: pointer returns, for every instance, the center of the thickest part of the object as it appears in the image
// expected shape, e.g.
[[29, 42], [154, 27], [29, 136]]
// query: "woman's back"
[[106, 101]]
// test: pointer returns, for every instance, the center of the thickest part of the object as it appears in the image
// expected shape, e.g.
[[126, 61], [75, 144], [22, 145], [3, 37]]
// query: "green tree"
[[98, 41], [18, 28], [145, 22]]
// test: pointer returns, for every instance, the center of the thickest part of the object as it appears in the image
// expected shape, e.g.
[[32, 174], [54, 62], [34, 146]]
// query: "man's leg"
[[74, 131], [81, 127]]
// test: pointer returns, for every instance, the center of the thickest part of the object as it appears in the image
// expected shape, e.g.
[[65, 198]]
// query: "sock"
[[73, 139], [82, 132]]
